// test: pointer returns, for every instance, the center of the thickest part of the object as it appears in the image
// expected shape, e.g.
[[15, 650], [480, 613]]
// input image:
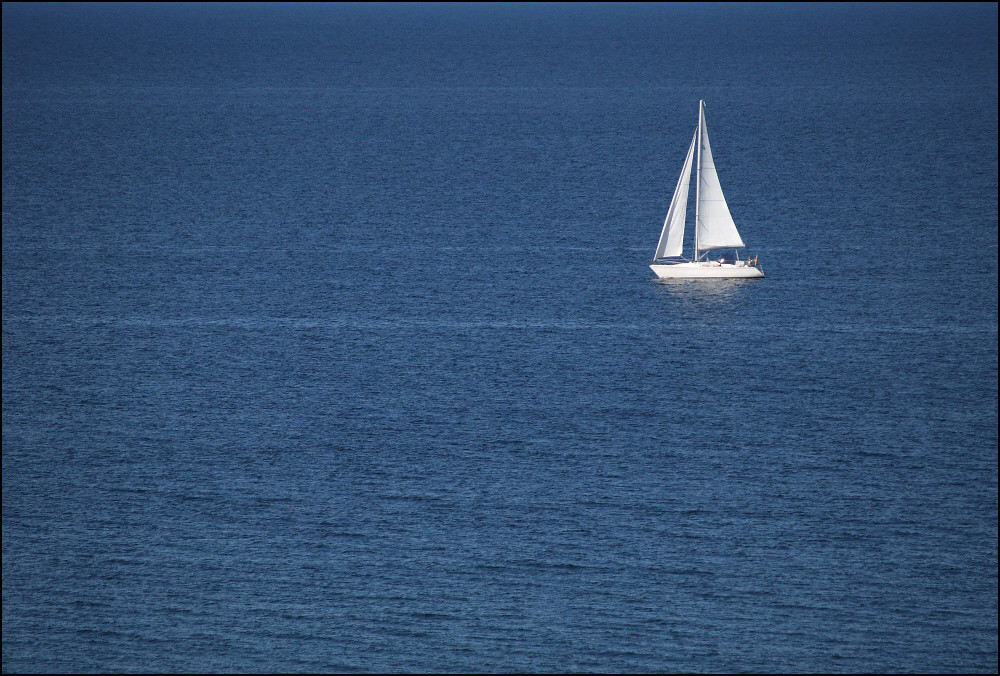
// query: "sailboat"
[[714, 227]]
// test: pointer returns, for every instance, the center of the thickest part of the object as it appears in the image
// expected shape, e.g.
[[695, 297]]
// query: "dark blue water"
[[330, 345]]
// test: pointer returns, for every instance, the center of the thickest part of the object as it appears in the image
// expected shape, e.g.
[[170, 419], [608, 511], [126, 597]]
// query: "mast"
[[697, 184]]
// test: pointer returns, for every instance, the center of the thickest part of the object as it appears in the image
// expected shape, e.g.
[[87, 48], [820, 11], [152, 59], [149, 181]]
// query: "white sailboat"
[[714, 226]]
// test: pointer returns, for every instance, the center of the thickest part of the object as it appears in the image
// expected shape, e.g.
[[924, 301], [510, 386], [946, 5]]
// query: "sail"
[[672, 236], [716, 229]]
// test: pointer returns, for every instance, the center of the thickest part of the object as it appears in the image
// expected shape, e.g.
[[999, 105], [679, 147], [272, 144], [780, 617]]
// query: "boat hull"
[[706, 270]]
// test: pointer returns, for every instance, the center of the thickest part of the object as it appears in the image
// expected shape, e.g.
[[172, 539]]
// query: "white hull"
[[707, 270]]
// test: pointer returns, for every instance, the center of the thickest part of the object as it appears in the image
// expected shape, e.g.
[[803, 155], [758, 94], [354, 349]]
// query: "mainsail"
[[716, 229]]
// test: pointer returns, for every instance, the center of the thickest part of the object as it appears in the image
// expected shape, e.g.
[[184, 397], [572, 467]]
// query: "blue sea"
[[330, 342]]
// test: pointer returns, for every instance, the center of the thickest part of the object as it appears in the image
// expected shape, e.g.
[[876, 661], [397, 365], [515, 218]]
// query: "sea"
[[330, 342]]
